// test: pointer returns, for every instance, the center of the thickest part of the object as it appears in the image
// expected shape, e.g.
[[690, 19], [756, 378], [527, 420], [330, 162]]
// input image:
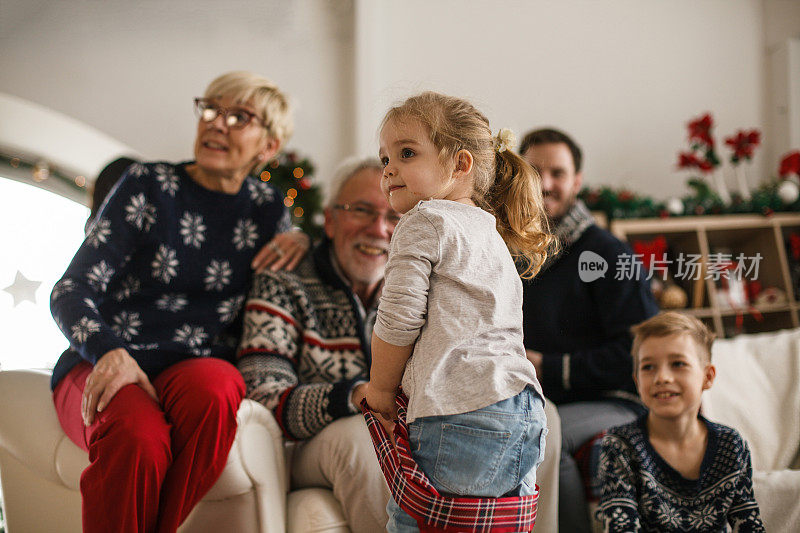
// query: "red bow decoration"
[[650, 249], [790, 164], [743, 144]]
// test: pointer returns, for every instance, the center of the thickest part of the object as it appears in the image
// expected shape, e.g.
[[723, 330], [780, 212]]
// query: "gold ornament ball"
[[673, 297]]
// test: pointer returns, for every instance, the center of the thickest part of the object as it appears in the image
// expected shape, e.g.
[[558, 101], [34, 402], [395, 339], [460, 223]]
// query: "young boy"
[[673, 470]]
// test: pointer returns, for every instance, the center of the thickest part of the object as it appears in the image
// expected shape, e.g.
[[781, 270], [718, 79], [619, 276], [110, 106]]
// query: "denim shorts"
[[491, 452]]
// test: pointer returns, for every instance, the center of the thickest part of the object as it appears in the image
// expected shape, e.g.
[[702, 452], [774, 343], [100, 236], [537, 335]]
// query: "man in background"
[[577, 327]]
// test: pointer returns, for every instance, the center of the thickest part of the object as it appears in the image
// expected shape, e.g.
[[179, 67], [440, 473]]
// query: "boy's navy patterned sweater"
[[164, 269], [306, 344], [641, 492]]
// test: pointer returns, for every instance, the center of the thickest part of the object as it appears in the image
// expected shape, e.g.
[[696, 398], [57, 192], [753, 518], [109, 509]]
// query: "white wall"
[[782, 39], [131, 68], [622, 76]]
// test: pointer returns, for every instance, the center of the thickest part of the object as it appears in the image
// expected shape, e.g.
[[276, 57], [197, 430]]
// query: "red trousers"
[[149, 464]]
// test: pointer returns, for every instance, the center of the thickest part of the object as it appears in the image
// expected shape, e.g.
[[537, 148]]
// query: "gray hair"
[[346, 170]]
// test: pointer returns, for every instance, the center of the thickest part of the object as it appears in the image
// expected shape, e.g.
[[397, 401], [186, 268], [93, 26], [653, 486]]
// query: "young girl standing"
[[449, 325]]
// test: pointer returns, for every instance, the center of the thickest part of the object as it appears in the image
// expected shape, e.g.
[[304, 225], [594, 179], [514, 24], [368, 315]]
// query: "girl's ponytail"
[[503, 183], [515, 199]]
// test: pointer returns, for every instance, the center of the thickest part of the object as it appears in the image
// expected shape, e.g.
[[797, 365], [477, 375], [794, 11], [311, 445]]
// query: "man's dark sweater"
[[582, 328]]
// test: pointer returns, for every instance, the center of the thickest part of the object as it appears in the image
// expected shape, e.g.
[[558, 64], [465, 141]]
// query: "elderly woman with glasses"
[[150, 305]]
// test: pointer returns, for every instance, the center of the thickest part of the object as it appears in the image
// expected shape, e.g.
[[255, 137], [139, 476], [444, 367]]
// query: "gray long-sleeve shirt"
[[451, 286]]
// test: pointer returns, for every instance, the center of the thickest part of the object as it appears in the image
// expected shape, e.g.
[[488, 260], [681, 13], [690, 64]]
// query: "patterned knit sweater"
[[164, 269], [305, 345], [641, 492]]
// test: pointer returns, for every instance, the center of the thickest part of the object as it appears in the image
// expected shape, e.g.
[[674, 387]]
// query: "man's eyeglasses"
[[235, 118], [367, 214]]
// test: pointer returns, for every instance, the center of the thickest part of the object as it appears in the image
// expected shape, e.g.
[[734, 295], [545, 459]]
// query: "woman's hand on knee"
[[113, 370]]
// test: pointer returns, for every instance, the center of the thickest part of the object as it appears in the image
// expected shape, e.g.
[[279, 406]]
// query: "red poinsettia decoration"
[[743, 144], [625, 196], [690, 160], [701, 155], [700, 130], [790, 164]]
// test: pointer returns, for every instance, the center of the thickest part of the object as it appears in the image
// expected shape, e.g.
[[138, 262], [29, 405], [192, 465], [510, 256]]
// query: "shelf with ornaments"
[[750, 267], [671, 260], [791, 240], [756, 321]]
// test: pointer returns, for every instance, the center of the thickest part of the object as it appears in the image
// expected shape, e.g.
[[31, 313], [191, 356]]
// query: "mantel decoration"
[[292, 175], [709, 196]]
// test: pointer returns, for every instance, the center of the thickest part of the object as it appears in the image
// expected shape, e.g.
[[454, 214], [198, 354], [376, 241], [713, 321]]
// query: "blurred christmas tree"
[[292, 175]]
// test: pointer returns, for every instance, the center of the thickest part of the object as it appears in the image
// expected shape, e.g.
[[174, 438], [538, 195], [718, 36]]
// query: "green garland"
[[622, 203]]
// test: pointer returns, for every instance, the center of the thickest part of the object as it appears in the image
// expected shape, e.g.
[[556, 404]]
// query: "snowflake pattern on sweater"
[[304, 346], [164, 269], [641, 492]]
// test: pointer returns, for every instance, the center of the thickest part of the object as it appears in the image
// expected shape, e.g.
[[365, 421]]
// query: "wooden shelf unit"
[[745, 234]]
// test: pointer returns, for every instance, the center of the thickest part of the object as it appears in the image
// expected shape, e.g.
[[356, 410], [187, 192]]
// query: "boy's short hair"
[[669, 323]]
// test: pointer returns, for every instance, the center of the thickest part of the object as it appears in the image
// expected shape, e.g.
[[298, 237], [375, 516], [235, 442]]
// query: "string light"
[[41, 171], [288, 202], [15, 162], [265, 176], [298, 212], [291, 193], [297, 172], [80, 181]]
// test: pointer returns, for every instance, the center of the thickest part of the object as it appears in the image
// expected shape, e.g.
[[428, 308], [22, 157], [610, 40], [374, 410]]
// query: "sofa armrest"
[[260, 437], [29, 428], [259, 449]]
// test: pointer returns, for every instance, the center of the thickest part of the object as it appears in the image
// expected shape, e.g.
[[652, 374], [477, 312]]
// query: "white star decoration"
[[22, 289]]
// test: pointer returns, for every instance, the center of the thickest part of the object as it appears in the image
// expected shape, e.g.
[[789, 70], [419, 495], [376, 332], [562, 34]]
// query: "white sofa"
[[757, 391], [40, 472]]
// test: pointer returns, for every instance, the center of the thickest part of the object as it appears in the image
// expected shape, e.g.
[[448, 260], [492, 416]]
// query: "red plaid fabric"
[[414, 493]]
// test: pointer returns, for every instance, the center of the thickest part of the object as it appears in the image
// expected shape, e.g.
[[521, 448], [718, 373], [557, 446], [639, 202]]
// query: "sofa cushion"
[[757, 391]]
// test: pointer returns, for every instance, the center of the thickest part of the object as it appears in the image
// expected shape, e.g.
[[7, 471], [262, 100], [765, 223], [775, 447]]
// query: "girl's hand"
[[285, 250], [113, 370], [382, 402]]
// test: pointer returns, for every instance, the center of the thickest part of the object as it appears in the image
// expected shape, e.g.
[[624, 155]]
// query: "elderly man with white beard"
[[305, 351]]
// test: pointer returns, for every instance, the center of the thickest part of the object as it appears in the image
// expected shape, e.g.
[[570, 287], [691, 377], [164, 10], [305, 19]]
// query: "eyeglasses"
[[366, 214], [235, 118]]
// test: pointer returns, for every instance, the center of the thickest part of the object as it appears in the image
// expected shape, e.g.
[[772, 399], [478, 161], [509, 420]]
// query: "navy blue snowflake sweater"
[[641, 492], [164, 269]]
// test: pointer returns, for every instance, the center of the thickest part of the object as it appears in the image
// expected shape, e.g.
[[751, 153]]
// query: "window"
[[39, 233]]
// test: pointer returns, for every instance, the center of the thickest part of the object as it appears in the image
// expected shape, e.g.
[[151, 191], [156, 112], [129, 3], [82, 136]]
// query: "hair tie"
[[504, 140]]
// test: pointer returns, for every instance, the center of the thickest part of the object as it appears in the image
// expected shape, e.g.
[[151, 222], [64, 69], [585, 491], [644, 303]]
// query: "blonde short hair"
[[670, 323], [270, 102]]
